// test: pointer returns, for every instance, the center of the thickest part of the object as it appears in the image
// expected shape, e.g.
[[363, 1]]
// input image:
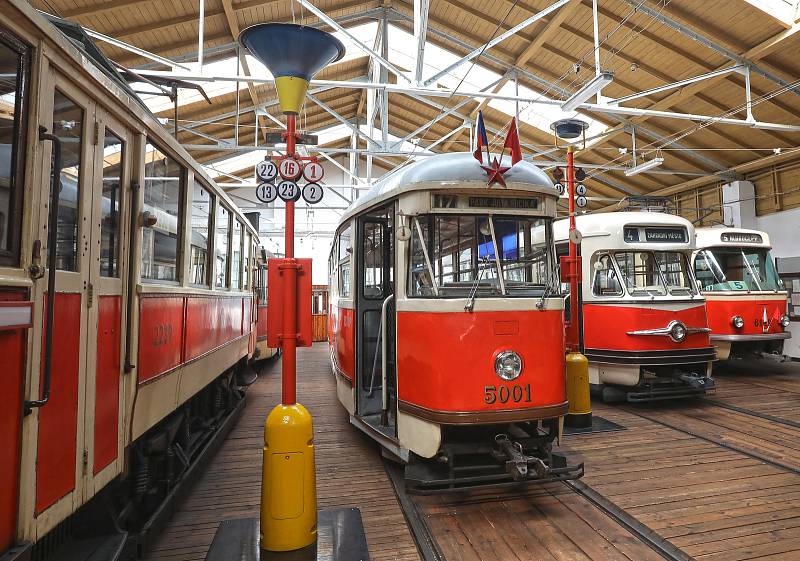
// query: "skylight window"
[[786, 11]]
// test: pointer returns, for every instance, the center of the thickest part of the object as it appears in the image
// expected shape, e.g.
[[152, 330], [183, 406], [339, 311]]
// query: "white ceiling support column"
[[739, 204], [596, 33], [201, 35], [499, 39], [384, 77], [355, 161], [334, 24], [420, 34], [136, 50]]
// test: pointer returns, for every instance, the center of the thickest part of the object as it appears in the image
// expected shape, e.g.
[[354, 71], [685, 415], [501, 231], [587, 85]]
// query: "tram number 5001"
[[515, 393]]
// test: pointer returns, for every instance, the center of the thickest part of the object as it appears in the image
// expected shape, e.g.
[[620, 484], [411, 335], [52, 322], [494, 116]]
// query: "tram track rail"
[[714, 440], [430, 549]]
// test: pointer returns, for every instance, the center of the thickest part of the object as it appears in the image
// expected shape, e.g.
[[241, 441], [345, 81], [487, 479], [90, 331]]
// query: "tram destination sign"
[[503, 202], [634, 234], [742, 237]]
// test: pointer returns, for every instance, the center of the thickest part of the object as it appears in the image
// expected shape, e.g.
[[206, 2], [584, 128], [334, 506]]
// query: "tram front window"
[[456, 256], [734, 268], [654, 273]]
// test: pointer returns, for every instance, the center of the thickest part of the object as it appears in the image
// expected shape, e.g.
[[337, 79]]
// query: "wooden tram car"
[[745, 298], [148, 265], [643, 323], [446, 323]]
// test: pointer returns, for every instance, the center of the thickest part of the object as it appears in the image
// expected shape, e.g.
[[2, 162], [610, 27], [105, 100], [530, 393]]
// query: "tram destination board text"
[[656, 235], [503, 202]]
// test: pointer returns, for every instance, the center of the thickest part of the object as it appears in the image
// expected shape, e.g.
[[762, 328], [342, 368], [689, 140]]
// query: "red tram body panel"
[[643, 322], [153, 297], [745, 297], [447, 323]]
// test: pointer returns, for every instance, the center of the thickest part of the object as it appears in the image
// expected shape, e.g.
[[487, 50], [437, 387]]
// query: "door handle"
[[52, 230]]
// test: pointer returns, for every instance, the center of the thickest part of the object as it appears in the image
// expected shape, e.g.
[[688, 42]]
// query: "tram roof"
[[712, 236], [443, 171]]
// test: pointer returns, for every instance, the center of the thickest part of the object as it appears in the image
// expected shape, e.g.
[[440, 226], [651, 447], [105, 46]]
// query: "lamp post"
[[293, 54], [580, 407]]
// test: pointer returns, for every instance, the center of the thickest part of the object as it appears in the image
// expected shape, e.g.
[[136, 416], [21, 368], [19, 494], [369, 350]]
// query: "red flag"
[[512, 142]]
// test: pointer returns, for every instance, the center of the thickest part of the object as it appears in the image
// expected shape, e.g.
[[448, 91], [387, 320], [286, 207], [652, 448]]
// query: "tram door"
[[375, 300], [78, 444]]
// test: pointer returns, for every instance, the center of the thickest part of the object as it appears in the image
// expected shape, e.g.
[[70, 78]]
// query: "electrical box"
[[276, 300]]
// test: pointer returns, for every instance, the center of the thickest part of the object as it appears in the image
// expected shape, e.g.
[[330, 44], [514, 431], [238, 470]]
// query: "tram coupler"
[[697, 381], [517, 464]]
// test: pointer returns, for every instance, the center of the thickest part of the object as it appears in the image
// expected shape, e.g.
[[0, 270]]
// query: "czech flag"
[[481, 140], [512, 142]]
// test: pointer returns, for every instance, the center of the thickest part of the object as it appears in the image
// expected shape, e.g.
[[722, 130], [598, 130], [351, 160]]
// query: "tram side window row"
[[163, 237], [344, 256]]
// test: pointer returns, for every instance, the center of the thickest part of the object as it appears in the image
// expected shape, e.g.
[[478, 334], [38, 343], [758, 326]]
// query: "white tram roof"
[[452, 170], [610, 227], [731, 237]]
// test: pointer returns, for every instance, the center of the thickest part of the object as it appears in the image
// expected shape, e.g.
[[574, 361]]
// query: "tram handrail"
[[52, 225], [384, 398]]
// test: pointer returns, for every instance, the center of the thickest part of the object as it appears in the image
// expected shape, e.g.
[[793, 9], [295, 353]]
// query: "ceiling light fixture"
[[644, 166], [590, 88]]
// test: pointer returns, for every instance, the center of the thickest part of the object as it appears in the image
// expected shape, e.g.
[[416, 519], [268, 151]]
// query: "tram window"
[[345, 251], [675, 271], [248, 242], [201, 226], [68, 120], [606, 282], [236, 260], [373, 260], [462, 257], [14, 61], [223, 228], [163, 187], [640, 271], [113, 164]]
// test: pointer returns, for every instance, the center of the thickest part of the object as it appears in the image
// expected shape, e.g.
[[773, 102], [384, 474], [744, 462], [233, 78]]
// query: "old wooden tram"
[[110, 396], [446, 323], [643, 321]]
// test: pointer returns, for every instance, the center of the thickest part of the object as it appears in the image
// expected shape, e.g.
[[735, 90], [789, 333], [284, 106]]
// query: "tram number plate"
[[515, 393]]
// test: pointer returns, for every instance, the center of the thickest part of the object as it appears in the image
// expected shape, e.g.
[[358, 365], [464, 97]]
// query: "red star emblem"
[[495, 173]]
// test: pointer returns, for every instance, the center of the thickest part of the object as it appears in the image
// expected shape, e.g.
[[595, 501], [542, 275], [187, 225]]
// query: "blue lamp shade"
[[294, 54], [291, 50]]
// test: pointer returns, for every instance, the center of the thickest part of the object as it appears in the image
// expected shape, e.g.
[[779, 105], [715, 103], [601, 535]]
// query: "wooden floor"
[[349, 471], [717, 479]]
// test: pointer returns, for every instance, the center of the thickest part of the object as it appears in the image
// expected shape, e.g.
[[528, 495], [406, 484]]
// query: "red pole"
[[289, 359], [573, 337]]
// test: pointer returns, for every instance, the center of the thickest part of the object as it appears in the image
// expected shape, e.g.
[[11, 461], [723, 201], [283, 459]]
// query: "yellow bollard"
[[288, 483], [580, 403]]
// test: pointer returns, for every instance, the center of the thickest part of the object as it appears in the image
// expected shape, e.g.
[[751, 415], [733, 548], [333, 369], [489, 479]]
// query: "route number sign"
[[266, 192], [266, 170], [290, 169], [581, 201], [312, 193], [313, 172], [288, 190]]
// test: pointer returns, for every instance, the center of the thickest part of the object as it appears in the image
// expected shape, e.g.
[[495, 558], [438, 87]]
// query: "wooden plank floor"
[[349, 471], [714, 503]]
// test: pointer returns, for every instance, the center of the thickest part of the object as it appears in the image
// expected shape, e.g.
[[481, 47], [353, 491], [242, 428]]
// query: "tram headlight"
[[785, 320], [677, 332], [737, 322], [508, 365]]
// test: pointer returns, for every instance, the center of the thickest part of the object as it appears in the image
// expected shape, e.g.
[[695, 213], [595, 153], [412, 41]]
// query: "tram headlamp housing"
[[785, 320], [508, 365], [677, 332], [737, 322]]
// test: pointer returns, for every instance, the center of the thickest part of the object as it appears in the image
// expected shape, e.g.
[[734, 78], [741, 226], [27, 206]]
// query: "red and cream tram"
[[114, 395], [745, 298], [643, 321], [447, 336]]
